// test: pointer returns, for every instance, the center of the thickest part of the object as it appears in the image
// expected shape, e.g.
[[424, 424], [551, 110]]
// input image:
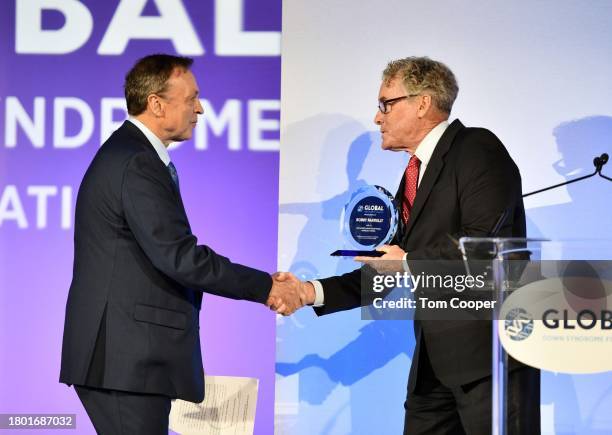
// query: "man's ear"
[[425, 105], [156, 105]]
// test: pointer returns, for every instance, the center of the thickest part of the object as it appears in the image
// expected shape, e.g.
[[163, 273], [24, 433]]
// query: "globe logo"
[[518, 324]]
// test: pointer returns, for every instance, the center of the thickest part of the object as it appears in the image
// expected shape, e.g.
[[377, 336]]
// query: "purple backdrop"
[[230, 195]]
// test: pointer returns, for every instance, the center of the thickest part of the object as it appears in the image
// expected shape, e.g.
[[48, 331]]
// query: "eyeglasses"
[[385, 105]]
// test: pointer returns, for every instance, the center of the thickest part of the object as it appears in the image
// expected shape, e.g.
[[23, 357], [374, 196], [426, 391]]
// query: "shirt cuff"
[[405, 263], [319, 295]]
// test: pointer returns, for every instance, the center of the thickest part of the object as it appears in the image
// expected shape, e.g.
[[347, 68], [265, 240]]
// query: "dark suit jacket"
[[469, 181], [132, 315]]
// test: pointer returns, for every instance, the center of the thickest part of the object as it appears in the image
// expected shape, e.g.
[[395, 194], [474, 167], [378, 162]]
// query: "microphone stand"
[[598, 162]]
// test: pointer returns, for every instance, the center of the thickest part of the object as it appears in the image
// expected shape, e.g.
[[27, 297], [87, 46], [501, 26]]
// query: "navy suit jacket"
[[132, 315]]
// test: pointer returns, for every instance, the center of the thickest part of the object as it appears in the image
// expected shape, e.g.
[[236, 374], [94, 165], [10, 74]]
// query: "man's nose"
[[378, 118], [199, 109]]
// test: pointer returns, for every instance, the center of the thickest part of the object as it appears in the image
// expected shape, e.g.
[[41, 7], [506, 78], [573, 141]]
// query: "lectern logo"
[[518, 324]]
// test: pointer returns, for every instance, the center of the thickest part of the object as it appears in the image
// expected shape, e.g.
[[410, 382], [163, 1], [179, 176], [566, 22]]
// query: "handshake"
[[288, 293]]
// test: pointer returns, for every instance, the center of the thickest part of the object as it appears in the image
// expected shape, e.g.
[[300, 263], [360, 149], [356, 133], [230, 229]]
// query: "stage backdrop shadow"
[[337, 366]]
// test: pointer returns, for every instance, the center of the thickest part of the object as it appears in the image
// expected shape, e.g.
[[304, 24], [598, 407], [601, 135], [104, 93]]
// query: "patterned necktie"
[[173, 174], [410, 187]]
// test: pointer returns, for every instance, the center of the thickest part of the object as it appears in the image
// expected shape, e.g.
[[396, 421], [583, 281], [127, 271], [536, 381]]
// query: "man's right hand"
[[288, 293]]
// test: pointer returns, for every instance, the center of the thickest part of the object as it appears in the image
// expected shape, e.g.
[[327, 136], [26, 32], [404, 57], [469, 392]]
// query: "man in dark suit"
[[131, 335], [458, 182]]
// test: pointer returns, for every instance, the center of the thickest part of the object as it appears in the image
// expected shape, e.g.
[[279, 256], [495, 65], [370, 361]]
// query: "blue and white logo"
[[370, 218], [518, 324]]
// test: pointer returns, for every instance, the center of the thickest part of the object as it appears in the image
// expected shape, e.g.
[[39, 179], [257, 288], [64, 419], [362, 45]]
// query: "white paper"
[[228, 408]]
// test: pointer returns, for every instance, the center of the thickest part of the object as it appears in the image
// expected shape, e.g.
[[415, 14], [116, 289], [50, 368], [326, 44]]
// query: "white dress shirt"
[[423, 152], [158, 145]]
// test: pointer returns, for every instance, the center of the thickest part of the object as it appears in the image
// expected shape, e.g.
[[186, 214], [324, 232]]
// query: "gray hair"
[[423, 75]]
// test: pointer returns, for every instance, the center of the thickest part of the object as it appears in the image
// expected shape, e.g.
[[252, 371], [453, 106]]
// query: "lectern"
[[570, 277]]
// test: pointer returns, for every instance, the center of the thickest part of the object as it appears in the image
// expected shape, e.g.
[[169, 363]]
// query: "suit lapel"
[[399, 197], [140, 136], [435, 165]]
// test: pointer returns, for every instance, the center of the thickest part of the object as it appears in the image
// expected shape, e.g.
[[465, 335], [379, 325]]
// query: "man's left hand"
[[390, 262]]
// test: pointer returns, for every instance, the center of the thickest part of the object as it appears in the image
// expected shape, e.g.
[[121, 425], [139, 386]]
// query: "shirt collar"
[[427, 146], [158, 145]]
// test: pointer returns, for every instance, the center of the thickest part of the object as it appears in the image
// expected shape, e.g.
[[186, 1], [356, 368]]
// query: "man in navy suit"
[[458, 182], [131, 335]]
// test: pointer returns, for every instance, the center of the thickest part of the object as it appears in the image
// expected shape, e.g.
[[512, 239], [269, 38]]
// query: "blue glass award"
[[368, 221]]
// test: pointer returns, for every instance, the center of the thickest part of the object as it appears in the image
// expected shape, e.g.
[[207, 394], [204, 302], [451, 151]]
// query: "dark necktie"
[[173, 174], [410, 187]]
